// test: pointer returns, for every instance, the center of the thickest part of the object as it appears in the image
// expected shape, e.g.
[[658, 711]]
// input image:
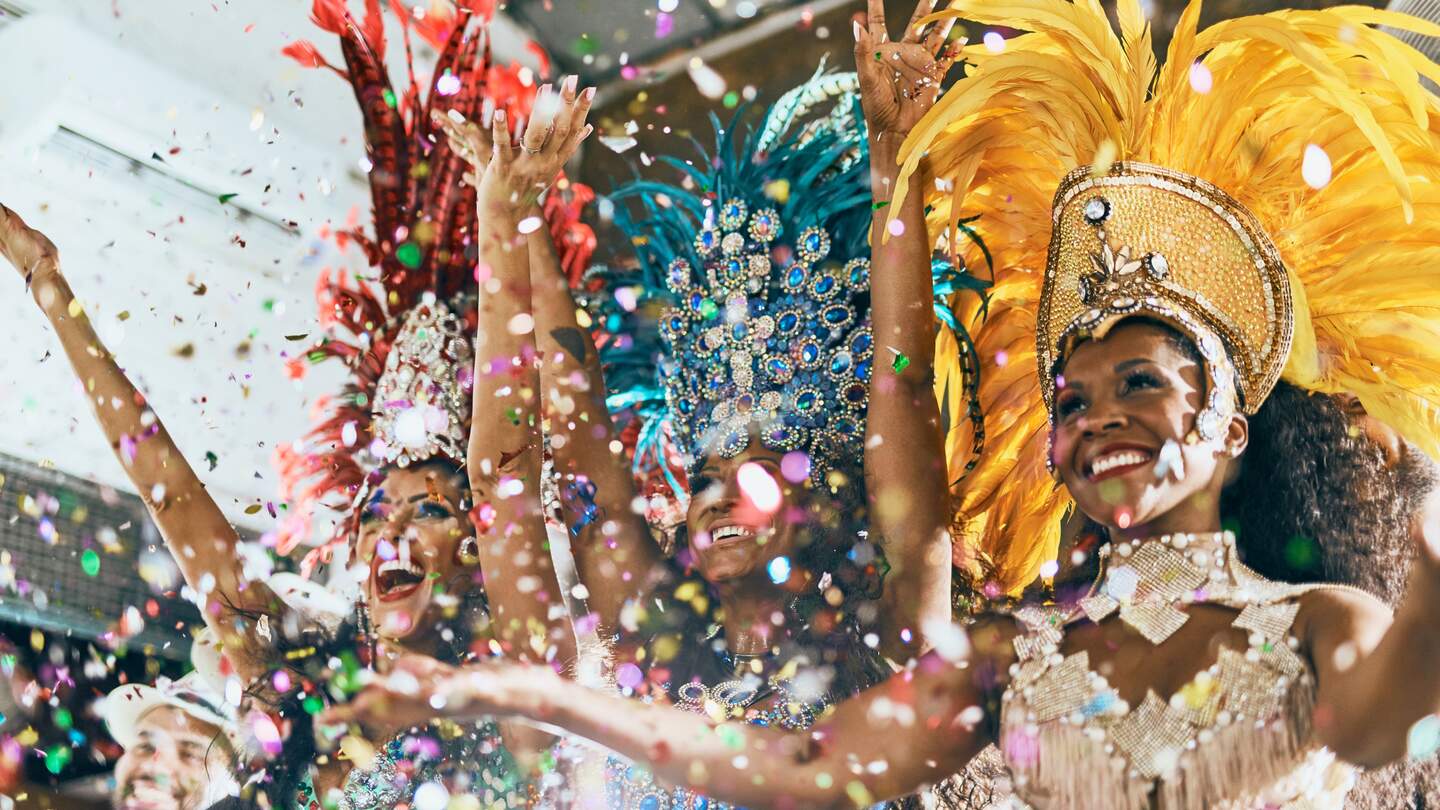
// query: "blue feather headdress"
[[748, 315]]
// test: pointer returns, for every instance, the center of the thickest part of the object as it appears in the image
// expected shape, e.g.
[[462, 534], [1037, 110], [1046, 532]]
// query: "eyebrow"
[[1132, 363]]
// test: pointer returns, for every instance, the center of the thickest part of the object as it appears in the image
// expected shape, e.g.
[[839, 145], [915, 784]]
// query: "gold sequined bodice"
[[1237, 736]]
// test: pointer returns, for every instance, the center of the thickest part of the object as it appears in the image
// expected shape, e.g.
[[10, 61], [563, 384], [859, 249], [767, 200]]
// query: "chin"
[[401, 618]]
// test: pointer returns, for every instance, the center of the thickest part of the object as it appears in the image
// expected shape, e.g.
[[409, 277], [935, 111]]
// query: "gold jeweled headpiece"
[[1140, 240], [1309, 251]]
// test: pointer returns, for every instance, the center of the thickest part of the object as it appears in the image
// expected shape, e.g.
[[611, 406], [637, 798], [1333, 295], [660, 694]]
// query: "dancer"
[[403, 471], [1167, 312], [771, 418]]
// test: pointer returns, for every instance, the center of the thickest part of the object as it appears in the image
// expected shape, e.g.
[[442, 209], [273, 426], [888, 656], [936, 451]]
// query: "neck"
[[1198, 515], [748, 607]]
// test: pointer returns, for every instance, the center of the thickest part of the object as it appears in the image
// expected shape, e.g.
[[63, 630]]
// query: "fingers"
[[936, 38], [875, 19], [500, 137], [542, 117], [912, 28]]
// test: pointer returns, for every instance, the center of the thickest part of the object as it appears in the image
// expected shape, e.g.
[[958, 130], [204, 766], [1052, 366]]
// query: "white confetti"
[[1315, 167], [707, 81]]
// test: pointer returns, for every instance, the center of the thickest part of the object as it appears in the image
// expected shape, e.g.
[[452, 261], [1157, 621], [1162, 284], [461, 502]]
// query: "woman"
[[1167, 312], [766, 608], [411, 523]]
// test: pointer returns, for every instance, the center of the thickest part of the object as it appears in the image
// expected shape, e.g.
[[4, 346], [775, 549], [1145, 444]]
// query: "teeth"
[[1124, 458], [397, 565], [725, 532]]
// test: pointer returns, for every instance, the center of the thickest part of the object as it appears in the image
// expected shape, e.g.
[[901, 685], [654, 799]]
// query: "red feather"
[[330, 15]]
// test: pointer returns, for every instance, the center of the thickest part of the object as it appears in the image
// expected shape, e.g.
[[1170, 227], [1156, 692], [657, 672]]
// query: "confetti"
[[1200, 79], [1315, 167], [758, 487], [90, 562], [225, 198], [779, 570], [901, 362]]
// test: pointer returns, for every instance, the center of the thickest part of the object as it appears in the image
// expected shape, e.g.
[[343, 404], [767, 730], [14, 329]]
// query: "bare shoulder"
[[1337, 613]]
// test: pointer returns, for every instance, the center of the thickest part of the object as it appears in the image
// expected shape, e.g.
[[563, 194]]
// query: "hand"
[[29, 250], [469, 140], [398, 700], [899, 81], [419, 689], [518, 172]]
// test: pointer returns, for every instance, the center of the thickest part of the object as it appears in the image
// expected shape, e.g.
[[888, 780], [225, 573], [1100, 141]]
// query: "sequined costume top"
[[1238, 736], [461, 759]]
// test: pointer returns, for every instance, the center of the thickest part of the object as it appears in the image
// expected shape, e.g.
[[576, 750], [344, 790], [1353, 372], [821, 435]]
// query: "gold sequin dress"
[[1238, 736]]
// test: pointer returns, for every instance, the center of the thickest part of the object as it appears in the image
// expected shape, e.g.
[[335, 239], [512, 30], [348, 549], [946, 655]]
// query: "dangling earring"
[[468, 552]]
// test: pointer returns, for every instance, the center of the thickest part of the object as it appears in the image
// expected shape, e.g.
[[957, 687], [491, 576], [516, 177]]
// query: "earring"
[[468, 552]]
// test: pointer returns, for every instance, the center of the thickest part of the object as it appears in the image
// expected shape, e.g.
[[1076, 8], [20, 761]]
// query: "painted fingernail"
[[456, 116], [589, 93], [856, 24], [499, 115], [572, 82]]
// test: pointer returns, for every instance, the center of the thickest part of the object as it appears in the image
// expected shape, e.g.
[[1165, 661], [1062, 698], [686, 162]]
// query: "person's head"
[[177, 755], [743, 514], [1124, 438], [415, 537]]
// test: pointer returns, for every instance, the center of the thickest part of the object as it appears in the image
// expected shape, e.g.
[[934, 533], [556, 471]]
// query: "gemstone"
[[1097, 210], [1159, 265]]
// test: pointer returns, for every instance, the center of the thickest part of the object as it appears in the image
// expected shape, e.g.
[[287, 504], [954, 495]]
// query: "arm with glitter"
[[1378, 677], [904, 451], [614, 552], [931, 715], [196, 532], [505, 454]]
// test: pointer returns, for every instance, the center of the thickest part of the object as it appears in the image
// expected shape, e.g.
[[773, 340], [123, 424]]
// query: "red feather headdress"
[[422, 241]]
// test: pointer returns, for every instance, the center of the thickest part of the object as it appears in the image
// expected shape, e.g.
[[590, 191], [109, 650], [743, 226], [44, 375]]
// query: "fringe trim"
[[1227, 772]]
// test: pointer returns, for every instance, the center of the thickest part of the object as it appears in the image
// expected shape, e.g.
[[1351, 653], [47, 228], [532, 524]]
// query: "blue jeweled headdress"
[[759, 259]]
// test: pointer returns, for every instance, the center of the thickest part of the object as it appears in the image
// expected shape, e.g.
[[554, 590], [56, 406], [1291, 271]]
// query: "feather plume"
[[1237, 105]]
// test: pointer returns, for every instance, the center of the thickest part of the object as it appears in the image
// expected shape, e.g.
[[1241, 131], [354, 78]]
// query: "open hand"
[[517, 172], [899, 81], [419, 689], [30, 251]]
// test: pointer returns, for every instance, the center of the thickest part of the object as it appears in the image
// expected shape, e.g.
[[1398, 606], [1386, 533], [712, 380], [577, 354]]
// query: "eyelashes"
[[1137, 380]]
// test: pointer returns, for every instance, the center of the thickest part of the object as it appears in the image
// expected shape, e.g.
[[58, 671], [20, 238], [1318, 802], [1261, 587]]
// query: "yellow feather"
[[1364, 274]]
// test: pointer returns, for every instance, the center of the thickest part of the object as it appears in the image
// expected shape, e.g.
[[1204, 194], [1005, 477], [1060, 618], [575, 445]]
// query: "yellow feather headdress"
[[1311, 122]]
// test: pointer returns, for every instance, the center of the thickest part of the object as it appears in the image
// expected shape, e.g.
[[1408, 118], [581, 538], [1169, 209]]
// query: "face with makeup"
[[743, 514], [410, 536], [1121, 421]]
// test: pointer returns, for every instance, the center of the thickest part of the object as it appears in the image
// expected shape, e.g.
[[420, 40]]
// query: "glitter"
[[448, 84], [629, 676], [90, 562], [795, 466], [779, 570], [1315, 167], [758, 487], [1200, 79]]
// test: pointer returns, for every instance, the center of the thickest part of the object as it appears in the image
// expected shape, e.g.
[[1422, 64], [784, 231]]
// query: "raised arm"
[[197, 533], [614, 552], [905, 471], [1377, 676], [504, 454], [932, 718]]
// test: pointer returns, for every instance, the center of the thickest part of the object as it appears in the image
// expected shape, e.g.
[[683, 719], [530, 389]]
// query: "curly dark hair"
[[1315, 501], [834, 556]]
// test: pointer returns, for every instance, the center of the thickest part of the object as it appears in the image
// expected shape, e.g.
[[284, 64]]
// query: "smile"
[[722, 535], [396, 580], [1117, 462]]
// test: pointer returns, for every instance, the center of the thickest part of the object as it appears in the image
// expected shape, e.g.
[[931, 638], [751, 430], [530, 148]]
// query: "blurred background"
[[191, 176]]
